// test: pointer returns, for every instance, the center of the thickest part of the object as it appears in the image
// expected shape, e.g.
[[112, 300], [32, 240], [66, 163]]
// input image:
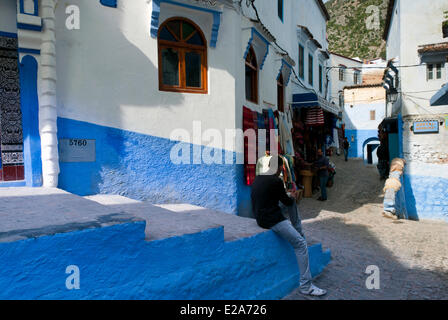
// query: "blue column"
[[30, 121]]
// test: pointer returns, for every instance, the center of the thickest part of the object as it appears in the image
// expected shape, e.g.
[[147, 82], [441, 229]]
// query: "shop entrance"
[[11, 135]]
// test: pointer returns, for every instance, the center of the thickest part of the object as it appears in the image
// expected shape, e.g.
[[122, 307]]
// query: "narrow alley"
[[412, 256]]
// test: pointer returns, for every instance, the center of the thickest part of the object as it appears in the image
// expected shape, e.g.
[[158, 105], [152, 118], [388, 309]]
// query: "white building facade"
[[111, 91], [364, 110], [418, 50], [343, 72]]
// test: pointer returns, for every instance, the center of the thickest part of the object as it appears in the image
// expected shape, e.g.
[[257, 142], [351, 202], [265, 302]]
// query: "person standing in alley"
[[383, 161], [346, 147], [267, 193], [322, 164]]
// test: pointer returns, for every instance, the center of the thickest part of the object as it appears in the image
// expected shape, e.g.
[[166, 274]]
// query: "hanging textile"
[[249, 146], [277, 126], [267, 127], [261, 142], [336, 138], [285, 135], [286, 174], [273, 126], [290, 160], [315, 117]]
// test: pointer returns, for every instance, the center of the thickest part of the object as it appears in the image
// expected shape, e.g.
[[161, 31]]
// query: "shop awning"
[[308, 100], [441, 97]]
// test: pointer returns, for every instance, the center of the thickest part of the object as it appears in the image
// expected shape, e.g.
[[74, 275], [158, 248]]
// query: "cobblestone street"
[[412, 256]]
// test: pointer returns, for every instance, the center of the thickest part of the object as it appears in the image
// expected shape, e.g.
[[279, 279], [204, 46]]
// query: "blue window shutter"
[[109, 3]]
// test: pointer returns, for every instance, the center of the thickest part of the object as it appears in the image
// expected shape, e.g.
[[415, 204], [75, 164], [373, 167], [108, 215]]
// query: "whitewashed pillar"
[[47, 97]]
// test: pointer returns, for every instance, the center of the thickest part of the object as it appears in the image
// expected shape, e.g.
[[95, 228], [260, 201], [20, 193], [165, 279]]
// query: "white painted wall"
[[108, 70], [417, 23], [393, 44], [297, 12], [308, 13], [421, 22], [358, 104], [8, 16], [336, 84]]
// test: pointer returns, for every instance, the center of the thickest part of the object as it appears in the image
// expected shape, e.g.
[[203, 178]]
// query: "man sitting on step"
[[267, 193]]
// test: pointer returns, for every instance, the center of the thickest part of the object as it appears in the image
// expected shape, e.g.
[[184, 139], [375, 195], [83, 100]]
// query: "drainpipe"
[[47, 97]]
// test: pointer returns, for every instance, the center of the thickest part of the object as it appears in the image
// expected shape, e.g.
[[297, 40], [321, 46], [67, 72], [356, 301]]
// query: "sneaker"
[[314, 291], [388, 215]]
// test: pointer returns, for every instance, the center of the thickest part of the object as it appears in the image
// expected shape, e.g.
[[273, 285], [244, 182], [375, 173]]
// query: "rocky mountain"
[[356, 27]]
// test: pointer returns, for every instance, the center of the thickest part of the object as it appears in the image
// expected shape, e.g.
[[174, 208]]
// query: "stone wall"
[[425, 148]]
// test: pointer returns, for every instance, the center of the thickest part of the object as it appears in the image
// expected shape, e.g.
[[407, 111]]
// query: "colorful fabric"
[[315, 117], [267, 127], [249, 146]]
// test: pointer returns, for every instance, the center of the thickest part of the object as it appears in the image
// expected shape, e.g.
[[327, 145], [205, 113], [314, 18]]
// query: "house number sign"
[[77, 150]]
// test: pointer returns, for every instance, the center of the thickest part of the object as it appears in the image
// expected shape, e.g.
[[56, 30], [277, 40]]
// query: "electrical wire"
[[300, 83]]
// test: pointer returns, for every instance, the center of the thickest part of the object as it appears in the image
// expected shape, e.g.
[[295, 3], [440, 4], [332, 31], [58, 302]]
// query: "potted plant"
[[445, 25]]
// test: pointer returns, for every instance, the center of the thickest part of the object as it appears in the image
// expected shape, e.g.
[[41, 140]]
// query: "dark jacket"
[[322, 162], [382, 152], [267, 191]]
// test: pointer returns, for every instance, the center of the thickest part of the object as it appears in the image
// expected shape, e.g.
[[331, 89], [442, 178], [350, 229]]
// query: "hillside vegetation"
[[352, 30]]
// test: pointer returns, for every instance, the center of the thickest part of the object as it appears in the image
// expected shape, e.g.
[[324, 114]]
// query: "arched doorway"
[[370, 147]]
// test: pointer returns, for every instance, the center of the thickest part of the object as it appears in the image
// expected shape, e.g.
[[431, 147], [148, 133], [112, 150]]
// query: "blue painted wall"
[[426, 197], [116, 263], [139, 166], [360, 136], [30, 121]]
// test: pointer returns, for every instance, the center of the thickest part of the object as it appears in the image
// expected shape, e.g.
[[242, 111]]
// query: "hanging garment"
[[250, 147], [282, 134], [315, 117], [291, 167], [336, 138], [266, 126], [289, 145], [273, 126], [287, 177], [261, 144], [255, 127]]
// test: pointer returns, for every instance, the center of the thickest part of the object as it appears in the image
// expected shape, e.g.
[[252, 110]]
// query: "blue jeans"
[[389, 201], [323, 187], [294, 235], [346, 154], [292, 212]]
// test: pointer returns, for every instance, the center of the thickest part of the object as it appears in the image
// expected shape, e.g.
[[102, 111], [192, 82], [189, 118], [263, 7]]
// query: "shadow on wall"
[[354, 247], [410, 202]]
